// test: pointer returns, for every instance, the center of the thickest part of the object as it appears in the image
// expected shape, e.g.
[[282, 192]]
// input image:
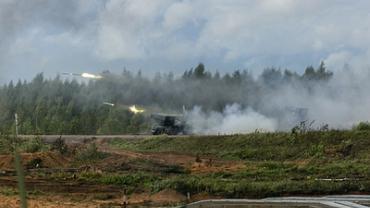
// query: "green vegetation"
[[314, 162], [11, 191], [33, 145], [60, 146], [129, 181], [261, 146], [90, 154], [30, 145], [6, 144], [259, 189], [274, 164], [261, 180], [8, 191], [20, 180], [362, 126]]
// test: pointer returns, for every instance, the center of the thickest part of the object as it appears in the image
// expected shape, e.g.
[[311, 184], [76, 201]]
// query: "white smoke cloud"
[[232, 120], [340, 102]]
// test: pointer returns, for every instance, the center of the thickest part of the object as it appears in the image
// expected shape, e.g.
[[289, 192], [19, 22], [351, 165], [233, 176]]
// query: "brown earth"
[[165, 197], [189, 162], [64, 186], [49, 160], [44, 201], [63, 192]]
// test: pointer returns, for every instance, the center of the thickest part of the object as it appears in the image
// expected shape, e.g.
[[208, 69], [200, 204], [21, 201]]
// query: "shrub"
[[316, 150], [90, 153], [5, 144], [362, 126], [33, 145], [60, 146], [8, 191]]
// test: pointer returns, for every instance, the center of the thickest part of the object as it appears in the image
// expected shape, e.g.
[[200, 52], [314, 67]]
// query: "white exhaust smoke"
[[232, 120]]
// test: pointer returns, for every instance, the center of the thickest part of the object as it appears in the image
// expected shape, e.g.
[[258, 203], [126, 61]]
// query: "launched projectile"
[[83, 75], [107, 103]]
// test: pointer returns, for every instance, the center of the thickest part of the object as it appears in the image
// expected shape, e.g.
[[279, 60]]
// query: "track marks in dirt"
[[194, 164]]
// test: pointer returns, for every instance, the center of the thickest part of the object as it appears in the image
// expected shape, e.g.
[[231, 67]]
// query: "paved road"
[[339, 201]]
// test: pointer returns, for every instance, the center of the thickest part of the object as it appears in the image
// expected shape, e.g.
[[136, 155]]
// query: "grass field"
[[235, 166], [322, 162]]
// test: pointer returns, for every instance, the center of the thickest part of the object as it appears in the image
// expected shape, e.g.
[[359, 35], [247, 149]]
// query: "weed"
[[33, 145], [60, 146], [316, 150], [6, 144], [8, 191], [90, 153]]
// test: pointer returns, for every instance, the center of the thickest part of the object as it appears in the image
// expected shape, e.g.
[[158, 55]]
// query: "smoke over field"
[[233, 119], [276, 100], [281, 100]]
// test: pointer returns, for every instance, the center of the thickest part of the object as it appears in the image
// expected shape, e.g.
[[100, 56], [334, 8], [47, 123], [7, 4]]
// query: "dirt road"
[[70, 139]]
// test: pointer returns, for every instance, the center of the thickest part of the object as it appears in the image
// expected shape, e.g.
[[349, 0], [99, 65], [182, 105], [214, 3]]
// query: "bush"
[[60, 146], [8, 191], [6, 145], [90, 153], [316, 150], [33, 145], [362, 126]]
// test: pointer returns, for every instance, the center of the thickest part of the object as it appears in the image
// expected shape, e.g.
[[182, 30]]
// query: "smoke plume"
[[232, 120]]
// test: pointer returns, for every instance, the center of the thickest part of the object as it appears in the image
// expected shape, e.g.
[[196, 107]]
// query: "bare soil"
[[49, 160], [190, 162], [67, 192]]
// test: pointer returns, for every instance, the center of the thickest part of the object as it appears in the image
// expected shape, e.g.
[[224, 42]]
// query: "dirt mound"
[[167, 196], [203, 196], [35, 160], [6, 162], [139, 198]]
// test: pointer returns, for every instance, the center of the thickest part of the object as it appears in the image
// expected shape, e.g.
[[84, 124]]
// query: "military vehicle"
[[171, 124]]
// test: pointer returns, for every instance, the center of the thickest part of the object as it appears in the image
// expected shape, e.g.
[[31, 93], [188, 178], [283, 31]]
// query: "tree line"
[[65, 106]]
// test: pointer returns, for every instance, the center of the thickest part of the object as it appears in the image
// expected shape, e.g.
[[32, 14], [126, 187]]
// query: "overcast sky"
[[54, 36]]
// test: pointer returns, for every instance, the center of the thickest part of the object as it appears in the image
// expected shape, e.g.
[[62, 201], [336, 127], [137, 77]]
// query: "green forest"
[[62, 105]]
